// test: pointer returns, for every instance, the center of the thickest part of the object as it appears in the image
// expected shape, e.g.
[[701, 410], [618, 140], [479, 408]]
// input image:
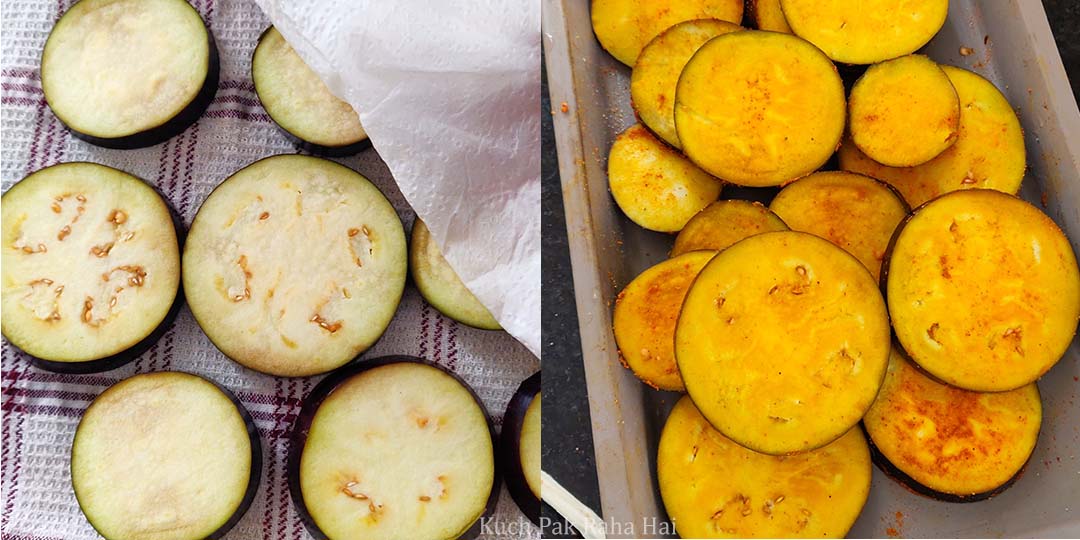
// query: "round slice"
[[850, 210], [165, 456], [657, 70], [624, 27], [783, 341], [767, 15], [440, 286], [294, 265], [947, 443], [904, 112], [395, 447], [654, 185], [983, 290], [988, 152], [714, 488], [645, 315], [759, 108], [297, 100], [866, 31], [723, 223], [129, 73], [90, 266], [520, 447]]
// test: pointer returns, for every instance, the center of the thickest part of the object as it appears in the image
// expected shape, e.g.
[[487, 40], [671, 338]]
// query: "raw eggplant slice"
[[783, 341], [645, 315], [520, 447], [294, 265], [723, 223], [129, 73], [759, 108], [865, 31], [656, 72], [988, 152], [767, 15], [850, 210], [904, 112], [424, 461], [298, 101], [654, 185], [440, 286], [165, 456], [624, 27], [983, 290], [947, 443], [90, 266], [714, 488]]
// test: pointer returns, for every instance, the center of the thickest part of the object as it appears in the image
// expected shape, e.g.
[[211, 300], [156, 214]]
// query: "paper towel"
[[449, 93]]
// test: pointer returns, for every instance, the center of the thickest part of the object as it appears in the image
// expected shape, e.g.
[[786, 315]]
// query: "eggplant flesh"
[[440, 286], [520, 447]]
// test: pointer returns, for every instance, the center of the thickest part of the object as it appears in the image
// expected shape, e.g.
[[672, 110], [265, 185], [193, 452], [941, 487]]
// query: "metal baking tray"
[[1013, 48]]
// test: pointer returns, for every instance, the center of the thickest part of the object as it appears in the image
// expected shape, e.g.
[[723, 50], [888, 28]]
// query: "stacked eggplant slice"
[[789, 325]]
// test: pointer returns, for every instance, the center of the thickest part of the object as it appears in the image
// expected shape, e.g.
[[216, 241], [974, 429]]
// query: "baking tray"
[[1013, 48]]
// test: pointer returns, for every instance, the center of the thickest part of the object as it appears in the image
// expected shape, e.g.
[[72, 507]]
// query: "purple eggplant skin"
[[175, 125], [302, 425], [909, 483], [309, 147], [510, 448], [256, 461], [130, 354]]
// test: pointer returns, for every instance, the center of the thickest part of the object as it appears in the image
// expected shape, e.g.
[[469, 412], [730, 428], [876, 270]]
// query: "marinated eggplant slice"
[[520, 447], [129, 73], [850, 210], [657, 70], [947, 443], [645, 315], [723, 223], [714, 488], [759, 108], [90, 266], [767, 15], [654, 185], [297, 100], [440, 286], [904, 112], [294, 265], [865, 31], [395, 447], [983, 290], [988, 152], [782, 342], [165, 456], [624, 27]]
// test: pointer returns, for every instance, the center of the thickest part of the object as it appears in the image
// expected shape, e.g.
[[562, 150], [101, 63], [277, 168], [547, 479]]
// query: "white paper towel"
[[449, 93]]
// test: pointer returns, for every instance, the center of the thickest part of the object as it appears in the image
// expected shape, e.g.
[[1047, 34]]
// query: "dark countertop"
[[567, 430]]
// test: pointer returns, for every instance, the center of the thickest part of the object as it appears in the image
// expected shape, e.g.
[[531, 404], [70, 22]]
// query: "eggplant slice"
[[624, 27], [90, 266], [165, 456], [295, 265], [656, 72], [759, 108], [783, 341], [983, 290], [520, 447], [714, 488], [988, 152], [948, 443], [767, 15], [440, 286], [298, 101], [394, 447], [129, 73], [645, 315], [850, 210], [723, 223]]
